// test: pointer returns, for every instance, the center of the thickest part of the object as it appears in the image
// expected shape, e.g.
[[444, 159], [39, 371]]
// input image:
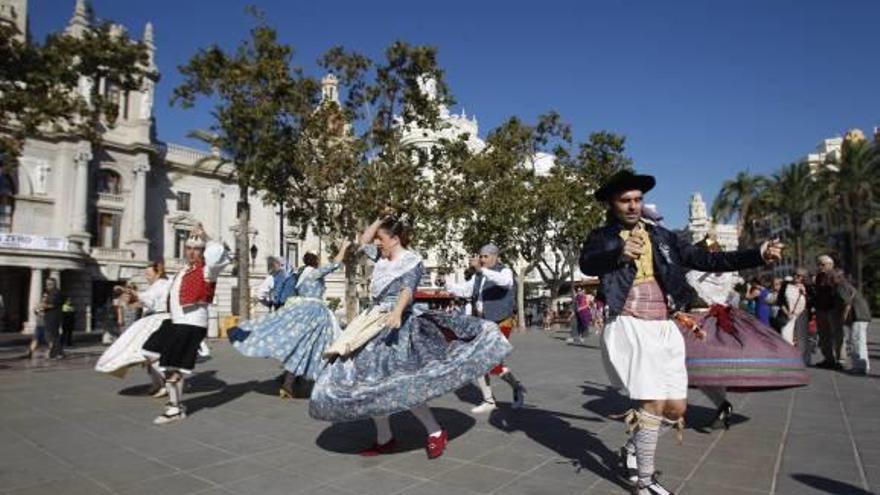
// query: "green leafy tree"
[[529, 193], [792, 193], [262, 104], [362, 164], [745, 198], [852, 190], [39, 84]]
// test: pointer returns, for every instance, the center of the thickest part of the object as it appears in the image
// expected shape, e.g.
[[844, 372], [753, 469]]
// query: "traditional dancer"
[[278, 286], [126, 350], [390, 360], [732, 349], [298, 333], [640, 265], [177, 341], [493, 297]]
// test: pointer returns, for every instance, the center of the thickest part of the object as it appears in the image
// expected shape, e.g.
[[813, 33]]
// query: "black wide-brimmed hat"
[[625, 180]]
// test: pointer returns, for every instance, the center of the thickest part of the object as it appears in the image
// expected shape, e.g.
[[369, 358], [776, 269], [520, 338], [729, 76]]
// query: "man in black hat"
[[642, 268]]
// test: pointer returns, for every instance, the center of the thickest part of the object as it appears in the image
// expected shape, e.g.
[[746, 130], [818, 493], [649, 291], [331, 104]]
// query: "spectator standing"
[[52, 319], [68, 321], [39, 337], [796, 330], [581, 317], [761, 296], [828, 306], [857, 316], [775, 300]]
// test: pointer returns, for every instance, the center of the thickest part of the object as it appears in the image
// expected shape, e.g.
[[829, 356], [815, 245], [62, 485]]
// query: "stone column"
[[217, 195], [79, 234], [138, 232], [35, 295]]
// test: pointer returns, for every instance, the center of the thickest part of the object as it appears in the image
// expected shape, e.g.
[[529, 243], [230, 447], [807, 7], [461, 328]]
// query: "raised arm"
[[370, 232], [343, 250], [503, 278], [464, 289], [697, 258]]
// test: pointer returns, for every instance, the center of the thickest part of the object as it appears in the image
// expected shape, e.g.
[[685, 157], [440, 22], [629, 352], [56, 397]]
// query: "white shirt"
[[713, 288], [196, 314], [266, 287], [501, 278], [155, 298], [795, 301]]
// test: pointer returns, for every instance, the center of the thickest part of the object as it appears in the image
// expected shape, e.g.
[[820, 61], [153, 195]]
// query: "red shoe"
[[379, 449], [437, 444]]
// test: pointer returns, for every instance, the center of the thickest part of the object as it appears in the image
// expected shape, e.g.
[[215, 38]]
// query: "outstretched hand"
[[773, 251]]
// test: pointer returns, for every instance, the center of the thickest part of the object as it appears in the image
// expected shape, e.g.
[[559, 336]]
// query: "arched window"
[[7, 202], [109, 182]]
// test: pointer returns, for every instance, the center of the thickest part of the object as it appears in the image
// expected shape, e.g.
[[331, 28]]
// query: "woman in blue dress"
[[407, 360], [297, 333]]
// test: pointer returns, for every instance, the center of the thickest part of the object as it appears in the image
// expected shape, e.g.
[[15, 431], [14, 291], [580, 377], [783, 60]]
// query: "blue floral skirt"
[[296, 335], [430, 355]]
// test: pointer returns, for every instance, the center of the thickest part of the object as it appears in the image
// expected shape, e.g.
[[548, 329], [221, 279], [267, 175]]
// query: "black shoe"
[[628, 467], [722, 416], [826, 364]]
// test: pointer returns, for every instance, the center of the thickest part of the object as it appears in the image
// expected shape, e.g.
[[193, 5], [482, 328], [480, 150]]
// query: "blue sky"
[[701, 89]]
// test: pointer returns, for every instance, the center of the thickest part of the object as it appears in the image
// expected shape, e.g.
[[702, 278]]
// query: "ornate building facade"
[[94, 218]]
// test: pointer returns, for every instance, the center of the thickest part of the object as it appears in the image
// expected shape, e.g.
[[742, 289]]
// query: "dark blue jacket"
[[673, 258]]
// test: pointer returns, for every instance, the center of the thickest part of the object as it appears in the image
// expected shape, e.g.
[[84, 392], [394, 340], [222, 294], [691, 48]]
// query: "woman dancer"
[[298, 333], [390, 360], [729, 348], [126, 350]]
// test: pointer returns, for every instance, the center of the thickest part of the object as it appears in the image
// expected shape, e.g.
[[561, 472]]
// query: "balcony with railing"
[[111, 200], [183, 156], [112, 254]]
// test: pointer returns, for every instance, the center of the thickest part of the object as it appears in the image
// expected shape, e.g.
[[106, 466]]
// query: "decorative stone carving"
[[145, 109]]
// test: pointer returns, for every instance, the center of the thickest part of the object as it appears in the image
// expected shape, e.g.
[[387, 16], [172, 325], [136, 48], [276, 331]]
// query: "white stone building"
[[700, 224], [93, 219]]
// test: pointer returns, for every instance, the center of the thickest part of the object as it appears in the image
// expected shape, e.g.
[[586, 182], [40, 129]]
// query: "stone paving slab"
[[65, 429]]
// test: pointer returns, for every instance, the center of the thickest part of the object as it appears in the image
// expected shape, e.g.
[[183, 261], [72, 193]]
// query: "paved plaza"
[[65, 429]]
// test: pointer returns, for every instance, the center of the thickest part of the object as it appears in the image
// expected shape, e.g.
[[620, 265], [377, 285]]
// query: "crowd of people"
[[823, 310], [668, 313]]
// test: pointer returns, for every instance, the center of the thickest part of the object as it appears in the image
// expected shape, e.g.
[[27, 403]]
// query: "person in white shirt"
[[796, 329], [492, 293]]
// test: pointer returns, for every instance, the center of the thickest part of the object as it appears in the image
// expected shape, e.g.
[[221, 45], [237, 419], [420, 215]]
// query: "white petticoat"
[[645, 358], [126, 350]]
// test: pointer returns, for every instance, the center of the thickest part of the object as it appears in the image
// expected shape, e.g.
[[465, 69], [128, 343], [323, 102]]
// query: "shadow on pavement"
[[355, 436], [470, 393], [609, 401], [828, 485], [206, 381], [550, 429], [226, 394]]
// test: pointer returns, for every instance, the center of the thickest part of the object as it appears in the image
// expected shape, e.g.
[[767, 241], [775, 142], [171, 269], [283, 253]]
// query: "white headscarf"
[[386, 271]]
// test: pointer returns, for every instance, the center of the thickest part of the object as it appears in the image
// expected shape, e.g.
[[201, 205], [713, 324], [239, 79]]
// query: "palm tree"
[[793, 193], [853, 189], [744, 197]]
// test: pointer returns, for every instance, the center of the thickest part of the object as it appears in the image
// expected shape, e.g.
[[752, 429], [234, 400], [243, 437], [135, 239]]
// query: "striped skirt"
[[740, 352]]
